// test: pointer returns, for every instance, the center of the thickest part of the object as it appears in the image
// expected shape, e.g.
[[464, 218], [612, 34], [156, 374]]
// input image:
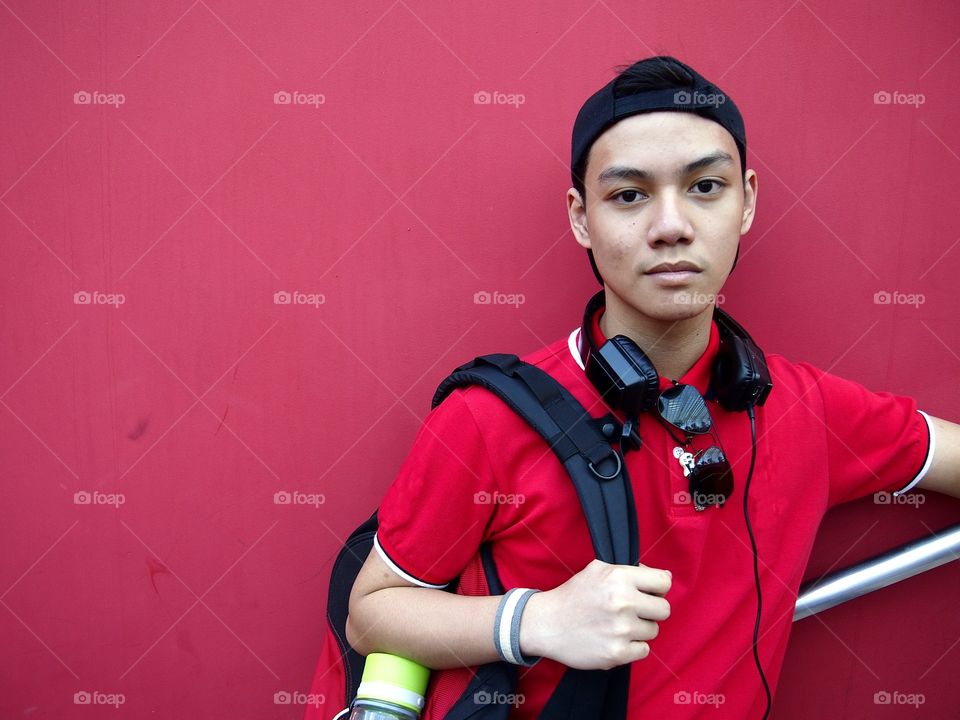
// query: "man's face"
[[664, 187]]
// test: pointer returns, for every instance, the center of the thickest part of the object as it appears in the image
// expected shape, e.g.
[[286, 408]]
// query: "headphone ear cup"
[[724, 377], [624, 375], [740, 376]]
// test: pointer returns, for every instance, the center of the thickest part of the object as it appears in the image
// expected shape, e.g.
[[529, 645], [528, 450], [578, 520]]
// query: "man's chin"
[[678, 306]]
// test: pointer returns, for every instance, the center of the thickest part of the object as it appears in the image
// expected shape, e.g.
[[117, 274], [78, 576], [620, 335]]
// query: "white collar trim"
[[573, 342]]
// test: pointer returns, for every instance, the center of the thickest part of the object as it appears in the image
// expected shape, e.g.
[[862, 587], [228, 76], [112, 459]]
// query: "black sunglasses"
[[711, 478]]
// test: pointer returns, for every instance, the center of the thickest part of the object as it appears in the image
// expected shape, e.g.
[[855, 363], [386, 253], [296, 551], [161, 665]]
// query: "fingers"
[[651, 580], [646, 630], [633, 651], [652, 607], [619, 608]]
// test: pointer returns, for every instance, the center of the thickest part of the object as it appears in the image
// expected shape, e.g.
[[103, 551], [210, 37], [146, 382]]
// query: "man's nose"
[[669, 224]]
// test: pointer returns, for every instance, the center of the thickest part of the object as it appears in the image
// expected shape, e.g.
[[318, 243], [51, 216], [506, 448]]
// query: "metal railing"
[[891, 567]]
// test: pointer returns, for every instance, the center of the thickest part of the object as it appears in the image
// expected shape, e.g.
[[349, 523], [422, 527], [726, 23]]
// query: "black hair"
[[654, 73]]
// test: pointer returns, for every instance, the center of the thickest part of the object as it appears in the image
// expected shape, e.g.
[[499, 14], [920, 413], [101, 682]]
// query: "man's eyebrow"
[[714, 158], [622, 172]]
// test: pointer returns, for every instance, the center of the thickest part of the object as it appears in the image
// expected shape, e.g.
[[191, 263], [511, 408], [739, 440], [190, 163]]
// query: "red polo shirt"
[[478, 473]]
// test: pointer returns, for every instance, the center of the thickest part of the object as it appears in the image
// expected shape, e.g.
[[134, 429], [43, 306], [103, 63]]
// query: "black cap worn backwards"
[[603, 109]]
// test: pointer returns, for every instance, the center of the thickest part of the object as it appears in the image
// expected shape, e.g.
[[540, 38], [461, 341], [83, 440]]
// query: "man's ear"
[[749, 200], [577, 213]]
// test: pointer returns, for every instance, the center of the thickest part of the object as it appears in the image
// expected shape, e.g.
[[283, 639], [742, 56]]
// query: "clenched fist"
[[602, 617]]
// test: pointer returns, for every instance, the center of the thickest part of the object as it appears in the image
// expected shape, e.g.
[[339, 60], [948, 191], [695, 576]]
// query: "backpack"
[[583, 444]]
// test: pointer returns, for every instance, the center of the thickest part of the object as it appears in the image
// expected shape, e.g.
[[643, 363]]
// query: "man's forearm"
[[436, 628], [944, 473], [601, 617]]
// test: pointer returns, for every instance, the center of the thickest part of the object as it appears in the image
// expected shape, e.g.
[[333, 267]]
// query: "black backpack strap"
[[345, 570], [594, 466], [605, 494], [596, 694]]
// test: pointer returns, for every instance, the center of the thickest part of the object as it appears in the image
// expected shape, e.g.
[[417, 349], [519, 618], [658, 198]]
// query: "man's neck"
[[673, 346]]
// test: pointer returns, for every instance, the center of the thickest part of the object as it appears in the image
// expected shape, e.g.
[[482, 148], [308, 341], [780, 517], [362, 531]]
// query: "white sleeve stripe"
[[929, 461], [399, 571]]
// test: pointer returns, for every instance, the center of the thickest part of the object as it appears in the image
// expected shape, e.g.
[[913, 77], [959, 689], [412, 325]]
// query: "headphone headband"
[[627, 379]]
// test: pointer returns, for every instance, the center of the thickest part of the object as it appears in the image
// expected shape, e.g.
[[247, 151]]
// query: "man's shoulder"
[[804, 386], [793, 372], [555, 359]]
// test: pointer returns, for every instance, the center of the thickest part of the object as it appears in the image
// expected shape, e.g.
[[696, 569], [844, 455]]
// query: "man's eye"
[[706, 187], [628, 196]]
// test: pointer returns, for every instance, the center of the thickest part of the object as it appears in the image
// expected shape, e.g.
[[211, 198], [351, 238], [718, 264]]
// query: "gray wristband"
[[506, 626]]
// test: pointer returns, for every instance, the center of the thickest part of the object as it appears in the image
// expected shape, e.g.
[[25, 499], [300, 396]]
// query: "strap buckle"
[[600, 475]]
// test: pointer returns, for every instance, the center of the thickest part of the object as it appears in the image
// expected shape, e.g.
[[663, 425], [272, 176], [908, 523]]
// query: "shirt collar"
[[698, 375]]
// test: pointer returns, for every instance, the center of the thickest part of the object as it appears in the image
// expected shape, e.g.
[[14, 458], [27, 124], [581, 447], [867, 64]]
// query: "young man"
[[660, 200]]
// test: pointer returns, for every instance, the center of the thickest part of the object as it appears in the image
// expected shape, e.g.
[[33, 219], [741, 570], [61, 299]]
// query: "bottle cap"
[[394, 679]]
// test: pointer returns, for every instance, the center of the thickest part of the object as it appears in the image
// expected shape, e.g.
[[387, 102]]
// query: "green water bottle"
[[391, 688]]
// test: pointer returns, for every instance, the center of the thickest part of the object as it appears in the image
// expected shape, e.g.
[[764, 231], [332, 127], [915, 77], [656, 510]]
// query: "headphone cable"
[[756, 570]]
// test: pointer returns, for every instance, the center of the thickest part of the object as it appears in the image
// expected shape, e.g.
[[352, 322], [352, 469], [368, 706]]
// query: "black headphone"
[[739, 381], [625, 377]]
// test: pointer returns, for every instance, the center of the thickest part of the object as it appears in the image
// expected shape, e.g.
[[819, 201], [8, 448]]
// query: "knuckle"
[[600, 571], [621, 654], [598, 565], [622, 628], [608, 658], [612, 600], [616, 604]]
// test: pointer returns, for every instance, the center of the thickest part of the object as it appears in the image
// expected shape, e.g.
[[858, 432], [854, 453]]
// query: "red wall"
[[398, 198]]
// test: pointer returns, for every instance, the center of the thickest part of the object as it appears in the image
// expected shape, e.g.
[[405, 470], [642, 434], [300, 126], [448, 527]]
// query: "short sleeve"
[[876, 442], [434, 516]]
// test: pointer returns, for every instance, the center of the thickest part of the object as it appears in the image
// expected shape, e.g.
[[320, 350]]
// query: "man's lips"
[[673, 268], [675, 274]]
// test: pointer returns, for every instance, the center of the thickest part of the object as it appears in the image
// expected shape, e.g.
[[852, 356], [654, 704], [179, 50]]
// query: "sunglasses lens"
[[683, 407], [711, 480]]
